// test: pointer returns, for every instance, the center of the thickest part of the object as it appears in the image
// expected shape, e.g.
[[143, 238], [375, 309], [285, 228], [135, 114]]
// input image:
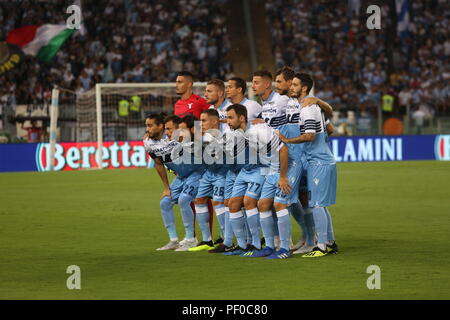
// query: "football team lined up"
[[258, 164]]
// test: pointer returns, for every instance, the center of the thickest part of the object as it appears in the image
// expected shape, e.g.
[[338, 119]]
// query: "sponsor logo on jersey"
[[162, 149], [267, 112]]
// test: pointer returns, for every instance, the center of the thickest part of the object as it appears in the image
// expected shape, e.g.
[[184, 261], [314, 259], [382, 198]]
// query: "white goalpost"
[[53, 130], [53, 123], [113, 112]]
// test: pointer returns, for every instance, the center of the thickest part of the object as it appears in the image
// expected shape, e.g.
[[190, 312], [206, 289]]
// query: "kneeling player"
[[212, 183], [280, 190], [260, 141], [182, 190]]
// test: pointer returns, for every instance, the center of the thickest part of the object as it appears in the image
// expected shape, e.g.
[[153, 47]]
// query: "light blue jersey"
[[213, 151], [293, 129], [278, 111], [257, 147], [173, 155], [321, 176], [312, 120], [183, 188], [274, 109], [290, 129], [212, 183]]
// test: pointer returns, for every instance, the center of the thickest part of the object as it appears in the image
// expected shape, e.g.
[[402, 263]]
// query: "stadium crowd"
[[135, 41], [306, 34], [125, 41]]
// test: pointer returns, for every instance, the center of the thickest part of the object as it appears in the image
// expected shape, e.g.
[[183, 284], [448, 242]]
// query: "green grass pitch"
[[395, 215]]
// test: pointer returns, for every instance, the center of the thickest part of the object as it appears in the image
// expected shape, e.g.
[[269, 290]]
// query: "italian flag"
[[42, 41]]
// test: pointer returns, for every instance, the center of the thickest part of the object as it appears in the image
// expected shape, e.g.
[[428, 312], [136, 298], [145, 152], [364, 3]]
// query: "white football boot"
[[171, 245], [304, 249], [186, 244]]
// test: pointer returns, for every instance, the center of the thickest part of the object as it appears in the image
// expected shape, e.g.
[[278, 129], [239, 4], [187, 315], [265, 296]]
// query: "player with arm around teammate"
[[299, 210], [261, 142], [321, 176]]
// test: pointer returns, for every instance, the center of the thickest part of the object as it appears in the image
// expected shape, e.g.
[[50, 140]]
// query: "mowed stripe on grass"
[[393, 214]]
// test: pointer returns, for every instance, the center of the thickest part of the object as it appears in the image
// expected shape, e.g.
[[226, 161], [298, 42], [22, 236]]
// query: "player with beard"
[[259, 149], [321, 175], [300, 211], [177, 157]]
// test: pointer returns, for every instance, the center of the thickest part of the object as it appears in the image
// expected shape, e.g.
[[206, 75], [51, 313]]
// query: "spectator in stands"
[[33, 132], [364, 122], [404, 98], [419, 118]]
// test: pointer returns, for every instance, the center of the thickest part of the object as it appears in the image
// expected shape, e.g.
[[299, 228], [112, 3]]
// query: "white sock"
[[322, 246]]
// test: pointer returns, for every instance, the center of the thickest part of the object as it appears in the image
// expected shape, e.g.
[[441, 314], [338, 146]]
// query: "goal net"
[[115, 112]]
